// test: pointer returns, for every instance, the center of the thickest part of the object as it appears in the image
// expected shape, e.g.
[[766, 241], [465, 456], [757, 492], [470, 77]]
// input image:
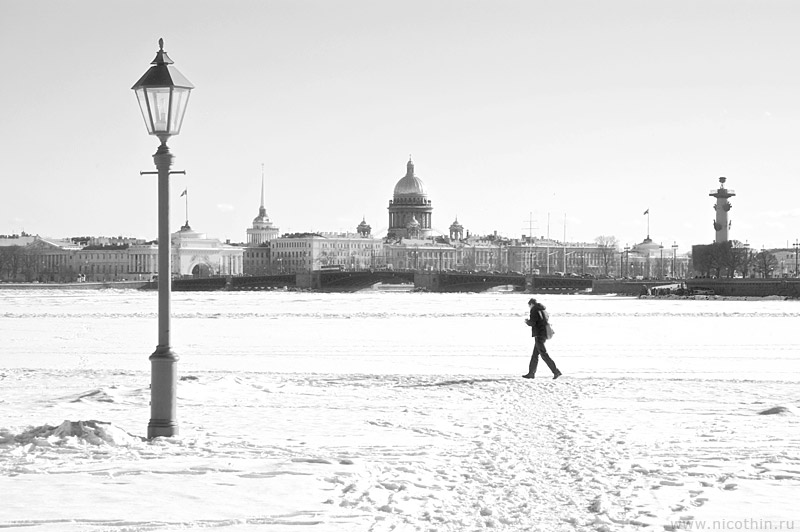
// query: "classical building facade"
[[410, 210], [307, 252], [421, 255], [256, 260], [193, 254]]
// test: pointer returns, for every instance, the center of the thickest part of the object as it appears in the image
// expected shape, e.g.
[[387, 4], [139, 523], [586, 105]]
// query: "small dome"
[[262, 217], [647, 246], [410, 185], [456, 226], [413, 223], [364, 228]]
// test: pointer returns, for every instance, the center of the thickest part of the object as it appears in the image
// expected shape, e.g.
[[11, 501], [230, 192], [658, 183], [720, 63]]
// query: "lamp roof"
[[162, 73]]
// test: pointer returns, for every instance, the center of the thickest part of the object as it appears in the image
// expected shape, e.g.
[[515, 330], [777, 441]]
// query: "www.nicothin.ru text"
[[735, 524]]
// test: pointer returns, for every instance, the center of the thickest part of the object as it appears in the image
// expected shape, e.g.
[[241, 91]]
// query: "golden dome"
[[410, 185]]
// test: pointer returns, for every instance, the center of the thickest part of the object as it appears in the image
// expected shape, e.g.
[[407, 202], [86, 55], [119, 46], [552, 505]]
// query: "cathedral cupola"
[[456, 230], [364, 229]]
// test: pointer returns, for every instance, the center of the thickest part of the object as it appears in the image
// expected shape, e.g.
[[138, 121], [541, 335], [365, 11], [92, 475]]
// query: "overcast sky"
[[515, 113]]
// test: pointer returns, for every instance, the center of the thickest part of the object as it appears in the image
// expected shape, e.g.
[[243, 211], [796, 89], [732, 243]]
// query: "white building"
[[307, 252], [193, 254], [423, 255]]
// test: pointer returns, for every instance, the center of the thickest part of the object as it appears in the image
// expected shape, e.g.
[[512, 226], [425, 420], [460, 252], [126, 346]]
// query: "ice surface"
[[398, 411]]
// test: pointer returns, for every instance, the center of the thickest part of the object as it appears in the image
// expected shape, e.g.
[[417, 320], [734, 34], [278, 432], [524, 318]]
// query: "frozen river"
[[399, 411], [402, 333]]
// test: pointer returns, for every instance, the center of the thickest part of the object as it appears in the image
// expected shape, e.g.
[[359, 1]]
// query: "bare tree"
[[736, 258], [765, 263], [11, 259], [607, 247]]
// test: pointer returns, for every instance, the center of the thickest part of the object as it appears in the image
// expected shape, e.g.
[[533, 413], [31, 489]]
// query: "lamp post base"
[[163, 393]]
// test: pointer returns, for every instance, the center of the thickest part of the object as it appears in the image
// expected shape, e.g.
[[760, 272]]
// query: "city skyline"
[[585, 112]]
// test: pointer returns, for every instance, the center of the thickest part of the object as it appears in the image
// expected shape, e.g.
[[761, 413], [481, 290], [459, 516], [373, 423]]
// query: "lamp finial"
[[161, 44]]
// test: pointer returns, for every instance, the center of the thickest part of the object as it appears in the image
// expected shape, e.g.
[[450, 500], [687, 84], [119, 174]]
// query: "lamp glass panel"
[[180, 97], [140, 95], [159, 99]]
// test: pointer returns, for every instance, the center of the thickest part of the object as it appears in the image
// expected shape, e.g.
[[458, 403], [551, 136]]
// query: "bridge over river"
[[348, 281]]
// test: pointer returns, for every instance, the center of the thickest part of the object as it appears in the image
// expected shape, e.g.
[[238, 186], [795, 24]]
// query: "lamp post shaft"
[[164, 363]]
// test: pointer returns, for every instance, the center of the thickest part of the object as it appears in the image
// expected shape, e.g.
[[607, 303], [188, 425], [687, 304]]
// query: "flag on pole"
[[184, 192], [647, 211]]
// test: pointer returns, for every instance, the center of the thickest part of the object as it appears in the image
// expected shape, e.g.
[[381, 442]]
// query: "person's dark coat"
[[538, 321]]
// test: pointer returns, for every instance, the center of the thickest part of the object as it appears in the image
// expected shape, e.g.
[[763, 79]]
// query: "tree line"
[[732, 259]]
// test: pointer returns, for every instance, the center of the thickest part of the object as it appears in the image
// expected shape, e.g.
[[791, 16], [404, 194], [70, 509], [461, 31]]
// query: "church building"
[[410, 211]]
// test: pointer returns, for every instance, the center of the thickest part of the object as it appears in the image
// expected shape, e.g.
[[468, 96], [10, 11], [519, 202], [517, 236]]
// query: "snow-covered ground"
[[399, 411]]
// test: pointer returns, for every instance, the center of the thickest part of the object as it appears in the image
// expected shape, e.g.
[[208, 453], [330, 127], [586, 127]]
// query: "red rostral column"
[[721, 223]]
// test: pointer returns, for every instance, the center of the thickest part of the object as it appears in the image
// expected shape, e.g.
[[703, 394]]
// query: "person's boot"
[[528, 376], [556, 375]]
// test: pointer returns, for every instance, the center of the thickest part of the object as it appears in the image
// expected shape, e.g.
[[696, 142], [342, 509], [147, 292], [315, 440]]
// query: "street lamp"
[[627, 254], [747, 258], [674, 257], [796, 248], [163, 93]]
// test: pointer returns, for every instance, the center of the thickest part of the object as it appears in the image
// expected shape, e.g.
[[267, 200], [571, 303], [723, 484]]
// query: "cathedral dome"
[[410, 184]]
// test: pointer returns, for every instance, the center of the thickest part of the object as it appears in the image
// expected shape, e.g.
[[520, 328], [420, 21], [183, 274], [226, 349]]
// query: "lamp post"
[[163, 93], [674, 259], [627, 254], [796, 248], [747, 259], [583, 260], [661, 261]]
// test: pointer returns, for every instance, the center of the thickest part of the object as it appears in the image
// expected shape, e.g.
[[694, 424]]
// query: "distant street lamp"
[[627, 255], [748, 258], [674, 257], [163, 93], [796, 248]]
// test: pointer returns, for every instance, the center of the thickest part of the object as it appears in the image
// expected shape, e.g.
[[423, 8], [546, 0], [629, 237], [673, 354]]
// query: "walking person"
[[539, 328]]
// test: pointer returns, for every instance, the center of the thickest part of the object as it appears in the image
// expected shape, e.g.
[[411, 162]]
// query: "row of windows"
[[104, 268], [411, 201], [326, 245], [289, 244], [99, 256], [86, 256]]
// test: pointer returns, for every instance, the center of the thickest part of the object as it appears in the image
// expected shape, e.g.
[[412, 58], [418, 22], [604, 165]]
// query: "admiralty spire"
[[263, 229]]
